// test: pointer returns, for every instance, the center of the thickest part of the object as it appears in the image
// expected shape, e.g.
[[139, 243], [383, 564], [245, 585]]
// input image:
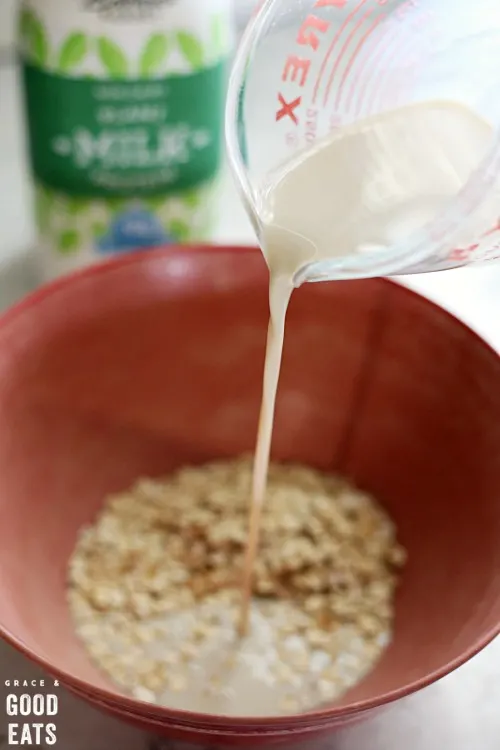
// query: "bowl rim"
[[211, 723]]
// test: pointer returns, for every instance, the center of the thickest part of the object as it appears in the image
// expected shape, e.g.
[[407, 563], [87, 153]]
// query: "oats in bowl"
[[154, 590]]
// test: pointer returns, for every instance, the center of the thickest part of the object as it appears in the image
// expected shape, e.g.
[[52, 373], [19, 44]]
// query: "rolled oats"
[[153, 588]]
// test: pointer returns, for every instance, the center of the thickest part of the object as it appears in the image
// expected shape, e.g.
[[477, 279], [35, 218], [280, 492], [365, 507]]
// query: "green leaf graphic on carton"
[[68, 242], [43, 208], [191, 48], [76, 206], [180, 230], [154, 202], [98, 229], [112, 58], [154, 55], [219, 34], [115, 205], [192, 199], [73, 52], [34, 37]]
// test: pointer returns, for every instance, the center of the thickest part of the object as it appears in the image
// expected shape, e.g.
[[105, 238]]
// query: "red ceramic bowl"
[[154, 360]]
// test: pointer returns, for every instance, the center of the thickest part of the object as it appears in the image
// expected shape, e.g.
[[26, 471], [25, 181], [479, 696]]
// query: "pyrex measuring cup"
[[307, 69]]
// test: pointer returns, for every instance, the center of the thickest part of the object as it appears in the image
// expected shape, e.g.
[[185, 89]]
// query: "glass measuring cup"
[[311, 70]]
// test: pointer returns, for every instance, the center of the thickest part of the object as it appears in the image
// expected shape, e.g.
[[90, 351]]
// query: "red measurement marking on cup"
[[404, 84], [376, 5], [367, 68], [394, 43], [375, 84], [258, 7], [412, 52], [489, 251], [296, 69], [288, 109], [332, 46], [353, 59], [388, 46]]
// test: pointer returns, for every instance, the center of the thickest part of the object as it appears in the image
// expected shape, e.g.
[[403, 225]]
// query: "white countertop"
[[459, 713]]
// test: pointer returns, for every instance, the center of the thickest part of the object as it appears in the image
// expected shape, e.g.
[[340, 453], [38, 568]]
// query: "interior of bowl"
[[156, 361]]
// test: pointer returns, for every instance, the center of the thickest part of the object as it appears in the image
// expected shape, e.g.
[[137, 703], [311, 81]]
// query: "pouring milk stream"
[[364, 137], [360, 189]]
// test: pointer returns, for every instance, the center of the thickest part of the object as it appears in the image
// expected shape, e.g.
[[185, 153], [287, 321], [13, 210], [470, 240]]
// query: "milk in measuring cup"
[[363, 188], [371, 185]]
